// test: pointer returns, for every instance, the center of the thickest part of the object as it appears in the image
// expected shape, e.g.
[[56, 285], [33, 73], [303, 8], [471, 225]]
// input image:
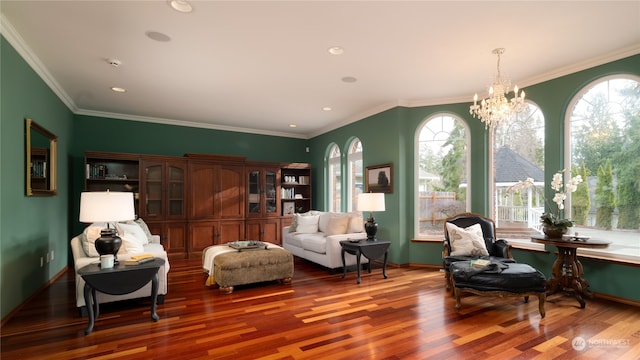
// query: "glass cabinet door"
[[153, 194], [271, 200], [176, 199], [254, 192]]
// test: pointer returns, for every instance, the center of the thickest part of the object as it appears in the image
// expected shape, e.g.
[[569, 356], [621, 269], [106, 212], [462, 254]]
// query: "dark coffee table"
[[119, 280], [370, 249]]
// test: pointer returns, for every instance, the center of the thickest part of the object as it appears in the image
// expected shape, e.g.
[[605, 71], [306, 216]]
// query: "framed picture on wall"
[[288, 208], [379, 178]]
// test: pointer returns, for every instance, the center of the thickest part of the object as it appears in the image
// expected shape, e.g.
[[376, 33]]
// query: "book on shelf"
[[480, 263]]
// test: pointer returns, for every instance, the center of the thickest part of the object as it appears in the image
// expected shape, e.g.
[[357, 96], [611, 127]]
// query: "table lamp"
[[371, 202], [107, 206]]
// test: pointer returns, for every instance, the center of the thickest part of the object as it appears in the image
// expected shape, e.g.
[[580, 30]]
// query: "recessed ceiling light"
[[114, 62], [181, 5], [157, 36], [336, 50], [118, 89], [293, 125], [326, 108], [349, 79]]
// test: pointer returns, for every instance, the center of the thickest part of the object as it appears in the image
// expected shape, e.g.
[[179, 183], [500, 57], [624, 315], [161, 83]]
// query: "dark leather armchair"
[[498, 249]]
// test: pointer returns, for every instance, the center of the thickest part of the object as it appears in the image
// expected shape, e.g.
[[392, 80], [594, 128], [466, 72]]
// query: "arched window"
[[355, 173], [442, 173], [334, 178], [518, 154], [604, 148]]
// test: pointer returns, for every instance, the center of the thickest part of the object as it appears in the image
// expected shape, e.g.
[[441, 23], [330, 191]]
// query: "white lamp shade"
[[108, 206], [371, 202]]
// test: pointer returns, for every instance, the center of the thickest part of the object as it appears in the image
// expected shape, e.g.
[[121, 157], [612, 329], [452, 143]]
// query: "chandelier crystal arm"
[[497, 108]]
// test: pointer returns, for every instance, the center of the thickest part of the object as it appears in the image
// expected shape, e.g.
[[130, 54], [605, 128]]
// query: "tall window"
[[604, 144], [519, 154], [442, 172], [355, 173], [335, 178]]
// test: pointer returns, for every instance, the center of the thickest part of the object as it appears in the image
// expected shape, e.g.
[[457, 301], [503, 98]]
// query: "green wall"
[[30, 227], [389, 137]]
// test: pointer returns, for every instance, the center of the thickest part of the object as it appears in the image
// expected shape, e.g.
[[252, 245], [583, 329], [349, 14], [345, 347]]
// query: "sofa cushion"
[[337, 225], [307, 224], [143, 225], [133, 230], [89, 236], [466, 241], [294, 222], [314, 242], [356, 222]]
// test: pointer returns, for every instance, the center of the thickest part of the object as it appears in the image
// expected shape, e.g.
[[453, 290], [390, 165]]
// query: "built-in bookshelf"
[[295, 188]]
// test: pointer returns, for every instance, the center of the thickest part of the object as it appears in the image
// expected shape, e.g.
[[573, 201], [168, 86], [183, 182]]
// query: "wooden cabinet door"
[[264, 230], [175, 234], [231, 192], [216, 191], [230, 230], [175, 183], [201, 235], [202, 191], [151, 191]]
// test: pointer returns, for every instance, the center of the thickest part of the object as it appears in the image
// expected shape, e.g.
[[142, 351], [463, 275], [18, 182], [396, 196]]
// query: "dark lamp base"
[[371, 228], [108, 243]]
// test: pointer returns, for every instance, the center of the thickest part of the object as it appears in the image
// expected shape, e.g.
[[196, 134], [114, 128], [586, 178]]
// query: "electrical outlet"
[[41, 261], [51, 255]]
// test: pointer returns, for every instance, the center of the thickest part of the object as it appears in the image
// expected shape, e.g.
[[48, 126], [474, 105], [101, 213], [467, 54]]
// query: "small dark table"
[[119, 280], [568, 274], [370, 249]]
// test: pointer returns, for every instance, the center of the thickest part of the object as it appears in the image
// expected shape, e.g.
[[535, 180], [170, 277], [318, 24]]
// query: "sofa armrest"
[[503, 249]]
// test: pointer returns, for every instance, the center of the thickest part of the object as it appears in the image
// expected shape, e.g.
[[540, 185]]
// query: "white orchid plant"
[[561, 192]]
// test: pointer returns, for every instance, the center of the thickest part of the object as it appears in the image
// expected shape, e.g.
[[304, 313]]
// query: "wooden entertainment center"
[[200, 200]]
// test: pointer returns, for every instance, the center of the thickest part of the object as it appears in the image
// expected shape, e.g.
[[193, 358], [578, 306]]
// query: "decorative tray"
[[247, 244], [575, 238]]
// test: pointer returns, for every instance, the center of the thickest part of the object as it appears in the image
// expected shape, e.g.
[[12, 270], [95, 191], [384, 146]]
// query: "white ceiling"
[[259, 66]]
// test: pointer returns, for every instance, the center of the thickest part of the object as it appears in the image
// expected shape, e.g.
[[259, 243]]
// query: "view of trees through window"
[[335, 178], [442, 172], [356, 178], [605, 150]]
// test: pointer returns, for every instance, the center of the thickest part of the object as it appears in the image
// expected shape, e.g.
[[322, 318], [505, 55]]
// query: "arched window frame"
[[334, 178], [355, 172], [568, 161], [437, 233]]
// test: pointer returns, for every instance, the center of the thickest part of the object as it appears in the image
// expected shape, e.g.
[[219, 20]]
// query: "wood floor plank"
[[319, 315]]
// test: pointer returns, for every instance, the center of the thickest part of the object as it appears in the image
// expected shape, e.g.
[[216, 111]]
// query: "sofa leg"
[[82, 310], [526, 299], [160, 300]]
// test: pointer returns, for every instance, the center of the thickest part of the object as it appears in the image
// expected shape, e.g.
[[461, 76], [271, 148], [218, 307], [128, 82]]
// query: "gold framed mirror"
[[42, 156]]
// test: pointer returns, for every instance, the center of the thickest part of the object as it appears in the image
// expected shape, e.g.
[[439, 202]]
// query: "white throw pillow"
[[130, 244], [89, 236], [468, 241], [337, 225], [144, 228], [133, 230], [356, 222], [307, 224]]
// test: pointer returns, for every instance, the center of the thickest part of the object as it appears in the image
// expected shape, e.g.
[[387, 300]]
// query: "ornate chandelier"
[[496, 108]]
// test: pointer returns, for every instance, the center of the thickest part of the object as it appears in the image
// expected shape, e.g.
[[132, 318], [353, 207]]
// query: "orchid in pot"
[[553, 225]]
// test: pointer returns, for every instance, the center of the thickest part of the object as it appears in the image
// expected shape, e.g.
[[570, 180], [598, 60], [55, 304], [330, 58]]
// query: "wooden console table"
[[568, 274], [370, 249], [119, 280]]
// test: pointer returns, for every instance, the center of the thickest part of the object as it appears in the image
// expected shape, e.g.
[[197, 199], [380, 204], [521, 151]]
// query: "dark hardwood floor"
[[320, 315]]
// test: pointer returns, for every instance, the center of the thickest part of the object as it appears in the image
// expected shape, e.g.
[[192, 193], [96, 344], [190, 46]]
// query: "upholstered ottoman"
[[232, 268], [499, 279]]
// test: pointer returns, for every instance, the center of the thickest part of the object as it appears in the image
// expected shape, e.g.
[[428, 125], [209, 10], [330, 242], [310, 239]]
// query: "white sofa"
[[316, 236], [84, 253]]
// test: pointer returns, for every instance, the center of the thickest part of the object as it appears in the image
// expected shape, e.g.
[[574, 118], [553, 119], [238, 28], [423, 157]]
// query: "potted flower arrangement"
[[553, 225]]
